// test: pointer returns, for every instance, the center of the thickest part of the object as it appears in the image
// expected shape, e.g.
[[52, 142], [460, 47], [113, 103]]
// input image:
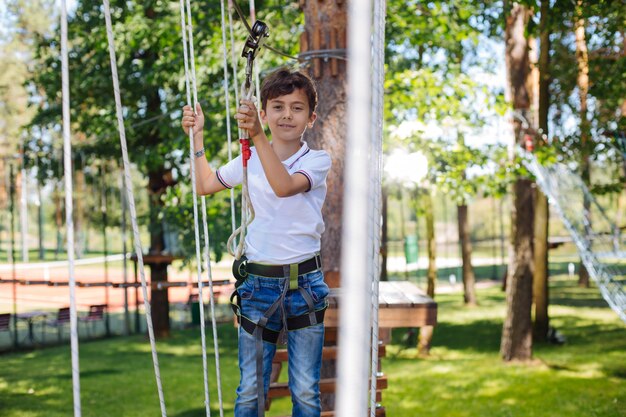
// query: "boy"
[[284, 286]]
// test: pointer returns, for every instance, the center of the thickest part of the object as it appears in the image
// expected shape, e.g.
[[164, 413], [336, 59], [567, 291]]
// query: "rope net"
[[597, 238]]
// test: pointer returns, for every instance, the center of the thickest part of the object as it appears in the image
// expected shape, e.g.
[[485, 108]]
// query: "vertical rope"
[[69, 209], [207, 246], [184, 27], [376, 181], [233, 56], [355, 337], [131, 203], [227, 104], [247, 210]]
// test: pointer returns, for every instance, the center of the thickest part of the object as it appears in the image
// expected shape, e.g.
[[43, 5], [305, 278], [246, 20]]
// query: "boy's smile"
[[288, 116]]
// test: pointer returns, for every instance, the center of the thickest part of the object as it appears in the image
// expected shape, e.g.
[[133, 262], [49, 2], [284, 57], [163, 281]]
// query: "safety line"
[[227, 105], [131, 203], [188, 50], [69, 210]]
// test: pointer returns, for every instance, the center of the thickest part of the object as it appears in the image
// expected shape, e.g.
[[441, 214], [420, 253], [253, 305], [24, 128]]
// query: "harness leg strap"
[[260, 383], [310, 304]]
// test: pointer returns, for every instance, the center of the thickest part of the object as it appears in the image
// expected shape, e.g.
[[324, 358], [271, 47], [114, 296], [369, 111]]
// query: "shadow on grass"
[[478, 336]]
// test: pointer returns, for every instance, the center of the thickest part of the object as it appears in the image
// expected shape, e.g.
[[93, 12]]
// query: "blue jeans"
[[304, 345]]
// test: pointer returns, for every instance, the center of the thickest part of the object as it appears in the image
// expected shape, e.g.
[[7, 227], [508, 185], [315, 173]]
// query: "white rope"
[[378, 80], [69, 210], [247, 210], [353, 360], [131, 202], [233, 55], [187, 46], [207, 245], [227, 104]]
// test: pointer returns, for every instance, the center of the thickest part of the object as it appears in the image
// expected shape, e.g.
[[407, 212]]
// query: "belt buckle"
[[318, 261]]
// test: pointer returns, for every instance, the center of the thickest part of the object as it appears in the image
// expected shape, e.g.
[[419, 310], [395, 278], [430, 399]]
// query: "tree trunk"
[[384, 236], [431, 243], [540, 281], [79, 211], [325, 28], [157, 184], [582, 81], [426, 332], [40, 232], [22, 192], [469, 280], [58, 218], [516, 343], [542, 213]]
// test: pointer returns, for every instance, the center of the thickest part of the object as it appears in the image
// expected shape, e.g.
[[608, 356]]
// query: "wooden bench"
[[96, 313], [401, 304]]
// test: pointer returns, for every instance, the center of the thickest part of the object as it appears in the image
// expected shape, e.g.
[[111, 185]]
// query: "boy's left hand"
[[248, 118]]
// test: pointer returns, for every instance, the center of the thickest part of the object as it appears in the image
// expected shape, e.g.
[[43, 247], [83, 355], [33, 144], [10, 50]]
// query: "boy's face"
[[288, 116]]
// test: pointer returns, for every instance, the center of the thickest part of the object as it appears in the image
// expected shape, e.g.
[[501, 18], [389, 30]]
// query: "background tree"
[[542, 213], [24, 21], [516, 342], [150, 62]]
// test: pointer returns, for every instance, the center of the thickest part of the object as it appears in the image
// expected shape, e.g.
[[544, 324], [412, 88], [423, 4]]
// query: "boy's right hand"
[[193, 120]]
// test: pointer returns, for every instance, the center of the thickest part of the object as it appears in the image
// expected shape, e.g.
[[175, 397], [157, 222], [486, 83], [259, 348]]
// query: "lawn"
[[463, 376]]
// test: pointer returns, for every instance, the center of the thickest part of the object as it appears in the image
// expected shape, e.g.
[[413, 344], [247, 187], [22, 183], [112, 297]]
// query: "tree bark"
[[540, 281], [582, 81], [516, 342], [325, 28], [542, 213], [157, 184], [469, 280]]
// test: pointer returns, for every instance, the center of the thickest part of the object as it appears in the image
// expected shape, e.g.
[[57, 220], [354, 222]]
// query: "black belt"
[[282, 271]]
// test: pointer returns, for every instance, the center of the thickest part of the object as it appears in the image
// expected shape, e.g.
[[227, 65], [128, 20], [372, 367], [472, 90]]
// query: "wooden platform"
[[401, 304]]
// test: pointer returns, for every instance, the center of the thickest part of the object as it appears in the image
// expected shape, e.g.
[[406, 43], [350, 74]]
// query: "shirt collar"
[[304, 148]]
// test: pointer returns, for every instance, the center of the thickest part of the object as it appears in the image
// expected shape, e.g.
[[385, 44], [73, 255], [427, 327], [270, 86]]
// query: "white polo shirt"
[[284, 230]]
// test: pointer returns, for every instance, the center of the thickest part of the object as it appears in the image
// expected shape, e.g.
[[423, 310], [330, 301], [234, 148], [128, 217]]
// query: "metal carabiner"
[[253, 44]]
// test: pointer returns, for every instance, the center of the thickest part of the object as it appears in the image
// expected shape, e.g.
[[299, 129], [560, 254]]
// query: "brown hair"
[[285, 81]]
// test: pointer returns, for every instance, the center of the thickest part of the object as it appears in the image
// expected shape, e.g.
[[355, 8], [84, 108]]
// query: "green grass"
[[464, 375]]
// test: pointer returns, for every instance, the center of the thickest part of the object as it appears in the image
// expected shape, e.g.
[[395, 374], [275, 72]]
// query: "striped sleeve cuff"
[[308, 177], [220, 179]]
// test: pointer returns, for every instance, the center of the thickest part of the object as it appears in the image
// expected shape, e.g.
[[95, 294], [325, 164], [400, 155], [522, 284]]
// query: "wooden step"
[[327, 386], [328, 352], [380, 412]]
